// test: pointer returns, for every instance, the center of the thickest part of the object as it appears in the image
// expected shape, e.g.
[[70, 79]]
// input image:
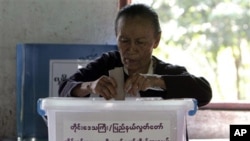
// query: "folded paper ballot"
[[118, 75]]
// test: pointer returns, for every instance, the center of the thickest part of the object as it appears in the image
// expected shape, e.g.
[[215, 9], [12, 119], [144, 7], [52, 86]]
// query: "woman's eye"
[[124, 40], [140, 42]]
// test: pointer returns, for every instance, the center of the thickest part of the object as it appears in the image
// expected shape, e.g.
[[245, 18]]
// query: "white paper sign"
[[116, 126], [61, 70], [117, 131]]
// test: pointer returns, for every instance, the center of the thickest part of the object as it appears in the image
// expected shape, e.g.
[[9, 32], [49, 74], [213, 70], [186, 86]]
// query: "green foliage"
[[209, 27]]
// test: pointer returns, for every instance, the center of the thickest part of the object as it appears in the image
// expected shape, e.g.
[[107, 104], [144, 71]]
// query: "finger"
[[127, 85], [113, 81], [131, 85], [105, 93], [111, 84], [135, 85], [145, 84], [142, 82], [99, 87], [129, 81], [111, 89]]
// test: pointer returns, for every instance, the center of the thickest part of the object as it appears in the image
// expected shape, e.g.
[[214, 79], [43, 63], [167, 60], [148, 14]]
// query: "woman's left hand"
[[142, 82]]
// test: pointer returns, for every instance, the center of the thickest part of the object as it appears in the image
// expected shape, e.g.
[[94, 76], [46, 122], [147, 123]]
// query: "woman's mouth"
[[129, 61]]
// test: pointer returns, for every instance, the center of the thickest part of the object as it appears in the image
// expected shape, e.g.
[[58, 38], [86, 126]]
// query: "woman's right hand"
[[104, 86]]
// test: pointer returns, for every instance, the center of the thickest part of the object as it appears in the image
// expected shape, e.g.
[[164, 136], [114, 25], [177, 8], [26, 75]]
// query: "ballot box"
[[134, 119]]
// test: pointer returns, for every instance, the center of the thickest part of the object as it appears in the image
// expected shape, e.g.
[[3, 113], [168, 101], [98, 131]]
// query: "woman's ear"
[[157, 39]]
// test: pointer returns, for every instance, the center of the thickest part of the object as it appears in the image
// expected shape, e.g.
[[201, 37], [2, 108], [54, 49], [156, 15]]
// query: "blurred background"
[[211, 38]]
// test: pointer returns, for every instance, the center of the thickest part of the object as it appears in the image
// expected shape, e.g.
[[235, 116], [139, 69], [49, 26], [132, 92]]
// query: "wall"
[[215, 124], [46, 21]]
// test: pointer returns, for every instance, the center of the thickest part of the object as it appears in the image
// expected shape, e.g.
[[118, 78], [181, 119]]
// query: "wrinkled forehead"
[[134, 21], [134, 26], [138, 20]]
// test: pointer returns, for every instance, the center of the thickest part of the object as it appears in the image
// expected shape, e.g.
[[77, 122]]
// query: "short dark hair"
[[139, 10]]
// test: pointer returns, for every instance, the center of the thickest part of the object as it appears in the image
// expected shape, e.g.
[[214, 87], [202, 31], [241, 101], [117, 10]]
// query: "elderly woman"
[[138, 33]]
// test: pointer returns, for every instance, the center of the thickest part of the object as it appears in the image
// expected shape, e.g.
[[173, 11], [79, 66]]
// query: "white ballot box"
[[134, 119]]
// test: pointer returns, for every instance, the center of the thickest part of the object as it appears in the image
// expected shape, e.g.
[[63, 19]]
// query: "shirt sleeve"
[[181, 84], [188, 86]]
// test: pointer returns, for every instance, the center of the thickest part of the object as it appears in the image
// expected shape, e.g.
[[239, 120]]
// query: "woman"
[[138, 32]]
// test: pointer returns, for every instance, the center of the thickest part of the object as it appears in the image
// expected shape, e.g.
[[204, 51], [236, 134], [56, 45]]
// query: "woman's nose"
[[133, 47]]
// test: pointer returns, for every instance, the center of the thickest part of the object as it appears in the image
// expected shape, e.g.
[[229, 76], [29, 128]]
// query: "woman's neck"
[[142, 70]]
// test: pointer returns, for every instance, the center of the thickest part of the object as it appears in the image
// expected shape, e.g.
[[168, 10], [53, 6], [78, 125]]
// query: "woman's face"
[[136, 40]]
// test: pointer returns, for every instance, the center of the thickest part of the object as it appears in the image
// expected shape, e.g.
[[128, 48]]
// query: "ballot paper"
[[118, 75]]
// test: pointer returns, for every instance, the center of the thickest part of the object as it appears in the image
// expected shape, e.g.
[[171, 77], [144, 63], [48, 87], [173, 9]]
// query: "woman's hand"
[[104, 86], [142, 82]]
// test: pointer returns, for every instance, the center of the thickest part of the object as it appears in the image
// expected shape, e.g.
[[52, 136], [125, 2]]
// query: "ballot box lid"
[[99, 104]]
